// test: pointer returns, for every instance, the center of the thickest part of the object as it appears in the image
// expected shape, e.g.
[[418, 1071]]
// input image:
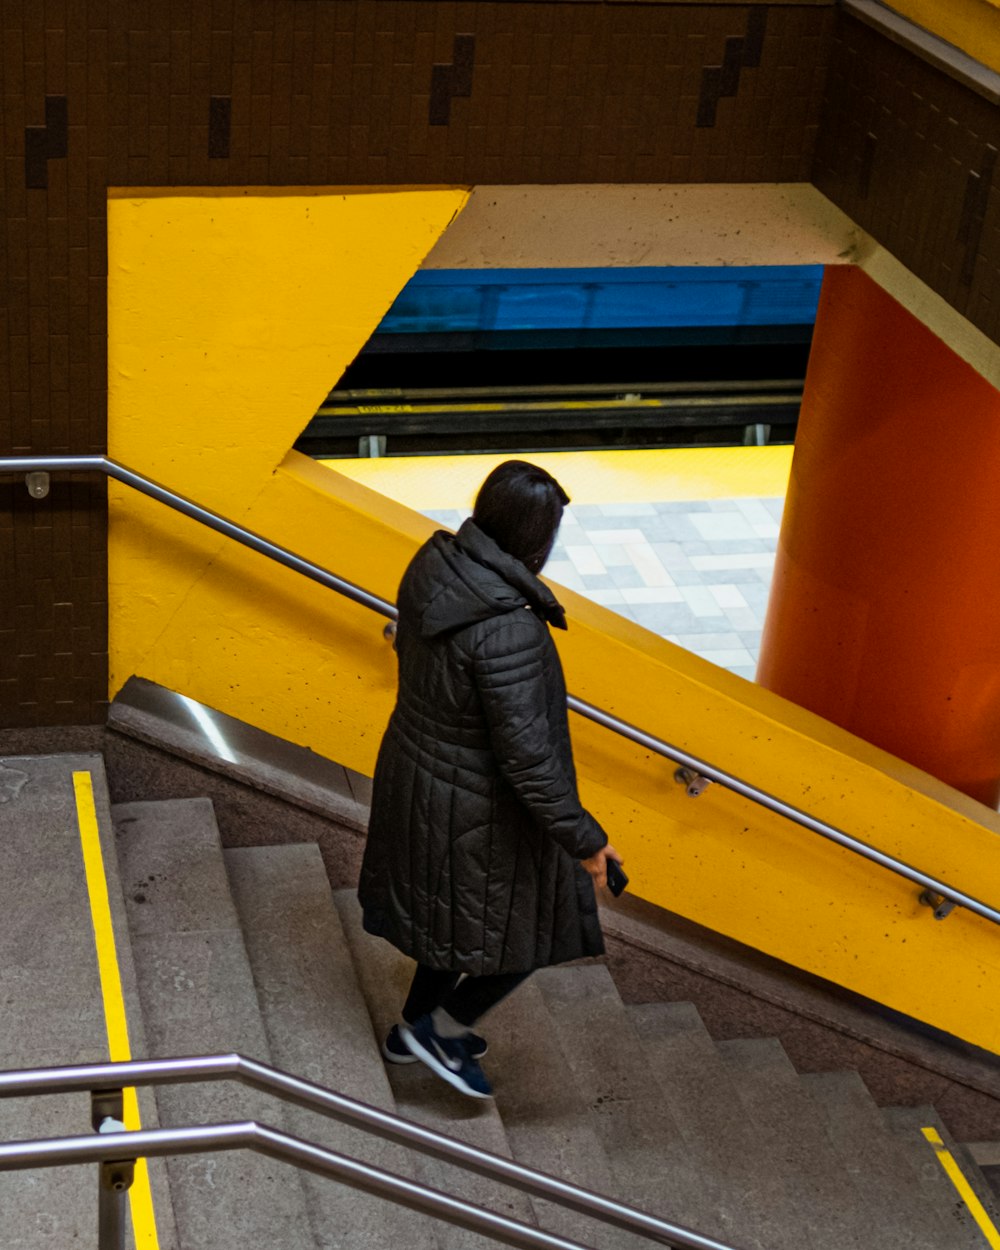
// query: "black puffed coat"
[[476, 830]]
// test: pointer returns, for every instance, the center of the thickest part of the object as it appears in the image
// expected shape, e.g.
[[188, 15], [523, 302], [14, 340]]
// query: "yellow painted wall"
[[230, 317], [972, 25]]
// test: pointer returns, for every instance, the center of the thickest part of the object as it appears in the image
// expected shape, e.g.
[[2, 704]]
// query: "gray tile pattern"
[[697, 572]]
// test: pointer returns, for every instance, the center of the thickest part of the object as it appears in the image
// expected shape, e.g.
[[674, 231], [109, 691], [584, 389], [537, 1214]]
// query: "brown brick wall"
[[53, 645], [100, 93], [910, 154]]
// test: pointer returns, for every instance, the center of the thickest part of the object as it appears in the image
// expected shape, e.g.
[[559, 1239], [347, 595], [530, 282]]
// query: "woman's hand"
[[597, 865]]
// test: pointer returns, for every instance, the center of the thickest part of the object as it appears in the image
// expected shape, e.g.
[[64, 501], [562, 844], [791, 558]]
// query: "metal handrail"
[[947, 896], [107, 1077], [113, 1148], [940, 895], [145, 486]]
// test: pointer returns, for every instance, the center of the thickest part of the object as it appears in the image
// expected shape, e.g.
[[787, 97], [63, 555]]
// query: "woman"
[[481, 862]]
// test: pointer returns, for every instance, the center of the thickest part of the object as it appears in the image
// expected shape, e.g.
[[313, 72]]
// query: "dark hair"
[[520, 506]]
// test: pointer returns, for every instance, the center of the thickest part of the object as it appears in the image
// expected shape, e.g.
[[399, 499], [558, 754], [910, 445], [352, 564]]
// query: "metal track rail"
[[621, 389], [523, 408]]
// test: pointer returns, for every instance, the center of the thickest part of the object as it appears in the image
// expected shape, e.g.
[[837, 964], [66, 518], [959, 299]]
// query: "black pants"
[[465, 999]]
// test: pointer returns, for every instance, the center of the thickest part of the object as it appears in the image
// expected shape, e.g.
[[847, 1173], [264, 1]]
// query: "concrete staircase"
[[248, 950]]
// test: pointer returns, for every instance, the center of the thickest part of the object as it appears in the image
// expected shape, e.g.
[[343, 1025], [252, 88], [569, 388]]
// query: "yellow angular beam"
[[231, 315]]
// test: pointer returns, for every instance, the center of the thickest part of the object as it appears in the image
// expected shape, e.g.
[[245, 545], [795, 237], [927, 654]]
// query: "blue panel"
[[480, 300]]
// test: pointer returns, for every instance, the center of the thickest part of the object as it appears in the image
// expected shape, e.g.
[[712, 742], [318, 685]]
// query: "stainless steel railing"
[[693, 772], [117, 1151], [204, 516]]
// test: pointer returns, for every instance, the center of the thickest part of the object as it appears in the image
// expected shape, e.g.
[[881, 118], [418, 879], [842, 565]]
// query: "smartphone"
[[617, 881]]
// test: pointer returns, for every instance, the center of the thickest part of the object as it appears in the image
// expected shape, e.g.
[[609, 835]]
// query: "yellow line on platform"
[[955, 1175], [589, 477], [119, 1050]]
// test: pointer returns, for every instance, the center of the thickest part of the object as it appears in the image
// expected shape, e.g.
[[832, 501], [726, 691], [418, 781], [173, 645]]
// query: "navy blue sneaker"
[[394, 1049], [449, 1057]]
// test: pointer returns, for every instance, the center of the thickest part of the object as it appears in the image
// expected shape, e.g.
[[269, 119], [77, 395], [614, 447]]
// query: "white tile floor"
[[697, 573]]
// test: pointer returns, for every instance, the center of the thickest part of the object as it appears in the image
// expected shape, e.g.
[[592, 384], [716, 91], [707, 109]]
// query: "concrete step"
[[198, 997], [652, 1165], [546, 1117], [889, 1194], [51, 991], [787, 1127], [385, 976], [318, 1027], [906, 1124], [697, 1089]]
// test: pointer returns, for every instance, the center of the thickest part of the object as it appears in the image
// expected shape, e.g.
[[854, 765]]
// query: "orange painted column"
[[884, 614]]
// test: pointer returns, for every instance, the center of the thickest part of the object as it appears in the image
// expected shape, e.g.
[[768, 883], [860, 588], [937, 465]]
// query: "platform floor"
[[681, 541]]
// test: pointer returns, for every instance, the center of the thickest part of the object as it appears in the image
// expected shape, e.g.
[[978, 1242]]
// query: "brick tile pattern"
[[53, 623], [910, 154], [718, 81], [452, 81]]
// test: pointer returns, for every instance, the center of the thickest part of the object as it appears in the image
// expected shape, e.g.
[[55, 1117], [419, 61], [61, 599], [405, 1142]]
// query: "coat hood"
[[459, 579]]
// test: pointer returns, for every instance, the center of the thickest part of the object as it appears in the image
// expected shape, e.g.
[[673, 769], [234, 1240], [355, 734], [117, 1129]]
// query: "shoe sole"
[[438, 1068], [390, 1056]]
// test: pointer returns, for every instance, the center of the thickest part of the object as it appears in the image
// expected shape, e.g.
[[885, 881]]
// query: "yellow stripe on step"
[[955, 1175], [140, 1196]]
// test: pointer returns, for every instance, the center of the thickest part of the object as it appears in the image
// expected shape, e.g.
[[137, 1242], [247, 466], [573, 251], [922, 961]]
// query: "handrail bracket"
[[38, 484], [694, 783], [942, 904]]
